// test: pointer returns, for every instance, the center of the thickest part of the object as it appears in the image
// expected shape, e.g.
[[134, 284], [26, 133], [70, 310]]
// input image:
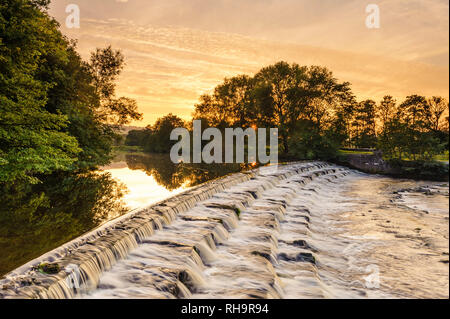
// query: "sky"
[[177, 50]]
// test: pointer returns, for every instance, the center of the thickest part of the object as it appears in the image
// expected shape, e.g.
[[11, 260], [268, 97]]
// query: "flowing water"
[[35, 219], [304, 230]]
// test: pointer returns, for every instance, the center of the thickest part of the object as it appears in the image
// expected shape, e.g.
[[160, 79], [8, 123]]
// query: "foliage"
[[230, 105], [316, 115], [413, 130], [57, 112], [105, 66], [36, 218], [32, 138], [293, 98], [308, 143], [136, 137], [158, 135], [363, 124], [425, 170]]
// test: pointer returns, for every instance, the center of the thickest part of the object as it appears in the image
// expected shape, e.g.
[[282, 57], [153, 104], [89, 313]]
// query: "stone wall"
[[369, 163], [374, 164]]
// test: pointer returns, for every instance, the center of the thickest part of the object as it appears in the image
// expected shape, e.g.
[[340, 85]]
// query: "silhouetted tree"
[[386, 111], [438, 106], [364, 124], [158, 135], [136, 137]]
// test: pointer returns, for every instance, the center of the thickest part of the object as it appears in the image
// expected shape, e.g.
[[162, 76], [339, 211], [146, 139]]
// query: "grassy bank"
[[128, 149]]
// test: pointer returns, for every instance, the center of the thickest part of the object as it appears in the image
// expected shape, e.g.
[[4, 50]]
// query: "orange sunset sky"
[[177, 50]]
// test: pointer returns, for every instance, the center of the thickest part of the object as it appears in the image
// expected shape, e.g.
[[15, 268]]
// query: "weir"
[[247, 235]]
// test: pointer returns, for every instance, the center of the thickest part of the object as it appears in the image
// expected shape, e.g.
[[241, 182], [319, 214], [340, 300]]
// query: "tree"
[[231, 104], [321, 126], [32, 139], [438, 106], [439, 122], [364, 124], [393, 140], [279, 89], [386, 111], [136, 137], [327, 103], [105, 66], [57, 112], [158, 140], [416, 113], [303, 101], [410, 132]]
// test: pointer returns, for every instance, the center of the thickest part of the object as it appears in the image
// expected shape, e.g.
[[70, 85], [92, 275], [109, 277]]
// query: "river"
[[35, 219], [305, 230], [342, 234]]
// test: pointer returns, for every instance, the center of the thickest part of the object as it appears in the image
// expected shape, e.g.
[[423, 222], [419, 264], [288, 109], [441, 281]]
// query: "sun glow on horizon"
[[173, 58]]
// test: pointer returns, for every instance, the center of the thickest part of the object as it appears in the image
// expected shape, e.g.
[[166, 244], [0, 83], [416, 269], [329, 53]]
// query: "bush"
[[308, 144], [425, 170]]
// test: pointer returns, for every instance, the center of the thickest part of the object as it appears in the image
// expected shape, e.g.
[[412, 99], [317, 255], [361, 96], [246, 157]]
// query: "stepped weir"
[[169, 249], [274, 232]]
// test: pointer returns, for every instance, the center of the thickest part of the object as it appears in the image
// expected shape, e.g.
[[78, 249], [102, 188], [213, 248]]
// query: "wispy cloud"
[[177, 50]]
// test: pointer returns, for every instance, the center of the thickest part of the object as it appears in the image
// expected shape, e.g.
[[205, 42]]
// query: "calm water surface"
[[143, 188]]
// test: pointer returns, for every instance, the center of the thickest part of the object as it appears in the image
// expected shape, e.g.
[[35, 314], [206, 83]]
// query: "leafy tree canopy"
[[57, 112]]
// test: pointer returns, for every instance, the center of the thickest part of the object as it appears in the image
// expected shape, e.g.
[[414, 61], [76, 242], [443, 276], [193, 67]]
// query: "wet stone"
[[301, 257]]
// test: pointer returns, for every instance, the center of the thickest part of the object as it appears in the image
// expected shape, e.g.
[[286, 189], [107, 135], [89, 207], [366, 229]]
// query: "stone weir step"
[[81, 262]]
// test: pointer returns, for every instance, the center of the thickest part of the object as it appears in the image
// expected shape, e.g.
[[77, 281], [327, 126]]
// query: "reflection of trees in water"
[[35, 219], [173, 176]]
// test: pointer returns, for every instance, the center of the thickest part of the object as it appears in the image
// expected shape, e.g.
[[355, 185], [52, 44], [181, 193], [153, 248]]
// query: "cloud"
[[410, 29], [176, 51]]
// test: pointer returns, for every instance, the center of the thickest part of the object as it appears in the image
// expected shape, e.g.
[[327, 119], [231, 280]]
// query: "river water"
[[306, 230], [35, 219], [323, 232]]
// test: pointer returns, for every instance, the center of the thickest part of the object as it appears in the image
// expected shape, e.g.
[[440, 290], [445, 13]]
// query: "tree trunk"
[[285, 143]]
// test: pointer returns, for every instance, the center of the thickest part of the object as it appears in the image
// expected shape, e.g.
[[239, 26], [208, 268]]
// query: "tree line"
[[57, 112], [316, 115]]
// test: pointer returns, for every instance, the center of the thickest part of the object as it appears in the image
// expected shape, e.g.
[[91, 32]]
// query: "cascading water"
[[304, 230]]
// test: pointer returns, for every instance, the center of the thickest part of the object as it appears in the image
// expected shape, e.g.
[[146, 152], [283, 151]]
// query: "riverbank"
[[373, 163]]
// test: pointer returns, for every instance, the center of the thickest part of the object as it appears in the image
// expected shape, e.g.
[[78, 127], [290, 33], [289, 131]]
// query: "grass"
[[347, 152], [442, 157], [127, 149], [437, 158]]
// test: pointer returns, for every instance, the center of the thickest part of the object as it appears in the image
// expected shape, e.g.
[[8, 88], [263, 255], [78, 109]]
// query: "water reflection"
[[143, 189], [151, 178], [173, 176], [35, 219]]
